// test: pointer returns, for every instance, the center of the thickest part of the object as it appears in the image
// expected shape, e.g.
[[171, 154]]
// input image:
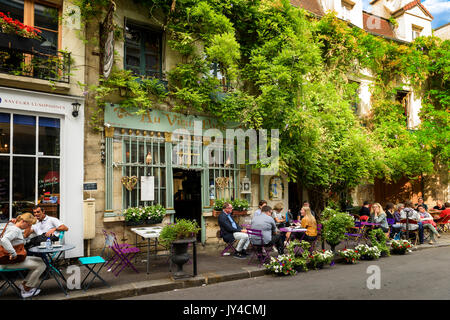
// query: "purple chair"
[[259, 250], [229, 246], [122, 255], [357, 236]]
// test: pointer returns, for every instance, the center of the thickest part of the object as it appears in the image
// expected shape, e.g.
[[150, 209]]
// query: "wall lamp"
[[76, 108]]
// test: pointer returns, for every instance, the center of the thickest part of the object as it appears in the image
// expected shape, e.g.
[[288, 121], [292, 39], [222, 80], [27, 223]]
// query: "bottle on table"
[[48, 244]]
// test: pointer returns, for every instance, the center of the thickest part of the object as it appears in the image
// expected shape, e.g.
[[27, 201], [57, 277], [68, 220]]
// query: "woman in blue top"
[[377, 215]]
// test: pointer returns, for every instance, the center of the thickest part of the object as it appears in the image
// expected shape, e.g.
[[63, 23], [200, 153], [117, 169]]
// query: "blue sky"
[[440, 9]]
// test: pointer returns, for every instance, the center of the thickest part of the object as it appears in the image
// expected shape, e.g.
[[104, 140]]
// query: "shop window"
[[29, 164], [143, 51]]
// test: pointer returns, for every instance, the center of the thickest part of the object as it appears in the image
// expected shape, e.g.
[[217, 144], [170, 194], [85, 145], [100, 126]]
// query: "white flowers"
[[368, 252]]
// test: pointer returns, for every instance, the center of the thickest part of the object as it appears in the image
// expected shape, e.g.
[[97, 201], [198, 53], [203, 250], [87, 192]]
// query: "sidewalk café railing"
[[27, 58]]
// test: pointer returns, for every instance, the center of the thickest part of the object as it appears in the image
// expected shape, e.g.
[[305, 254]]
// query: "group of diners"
[[394, 218], [269, 221]]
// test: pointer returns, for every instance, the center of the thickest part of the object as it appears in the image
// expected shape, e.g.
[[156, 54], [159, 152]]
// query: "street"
[[419, 275]]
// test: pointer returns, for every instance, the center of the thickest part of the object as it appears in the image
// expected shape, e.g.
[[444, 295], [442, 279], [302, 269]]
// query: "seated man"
[[266, 224], [232, 231], [45, 227], [443, 213]]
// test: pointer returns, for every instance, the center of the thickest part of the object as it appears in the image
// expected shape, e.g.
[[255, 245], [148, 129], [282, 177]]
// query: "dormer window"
[[416, 31], [347, 6]]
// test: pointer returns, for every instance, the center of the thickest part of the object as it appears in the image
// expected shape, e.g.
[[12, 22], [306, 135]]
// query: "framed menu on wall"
[[147, 188]]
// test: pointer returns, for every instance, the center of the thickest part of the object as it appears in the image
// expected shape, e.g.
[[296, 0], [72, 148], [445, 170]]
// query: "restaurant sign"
[[157, 120]]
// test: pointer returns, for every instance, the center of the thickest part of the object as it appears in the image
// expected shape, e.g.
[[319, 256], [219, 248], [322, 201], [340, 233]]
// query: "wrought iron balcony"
[[28, 58]]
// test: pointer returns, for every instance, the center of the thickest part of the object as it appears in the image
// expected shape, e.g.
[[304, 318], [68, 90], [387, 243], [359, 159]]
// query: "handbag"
[[20, 251]]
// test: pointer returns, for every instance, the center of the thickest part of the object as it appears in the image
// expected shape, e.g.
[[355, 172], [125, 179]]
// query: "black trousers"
[[278, 242]]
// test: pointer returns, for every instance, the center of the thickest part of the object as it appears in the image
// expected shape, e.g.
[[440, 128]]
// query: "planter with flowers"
[[283, 265], [400, 246], [240, 207], [350, 255], [318, 259], [144, 215], [16, 35], [368, 253]]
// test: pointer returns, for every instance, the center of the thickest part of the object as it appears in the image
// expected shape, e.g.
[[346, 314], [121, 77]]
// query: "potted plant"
[[240, 207], [218, 206], [177, 236], [283, 265], [135, 216], [350, 255], [335, 226], [318, 259], [368, 253], [155, 214], [400, 246], [378, 239]]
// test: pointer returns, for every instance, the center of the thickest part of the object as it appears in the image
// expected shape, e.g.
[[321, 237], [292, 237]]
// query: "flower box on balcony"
[[16, 42]]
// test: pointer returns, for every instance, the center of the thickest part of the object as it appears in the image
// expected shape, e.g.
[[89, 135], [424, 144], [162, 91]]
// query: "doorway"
[[187, 188], [295, 198]]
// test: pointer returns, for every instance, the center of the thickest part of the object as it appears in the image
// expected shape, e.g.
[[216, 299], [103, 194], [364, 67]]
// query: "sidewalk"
[[212, 268]]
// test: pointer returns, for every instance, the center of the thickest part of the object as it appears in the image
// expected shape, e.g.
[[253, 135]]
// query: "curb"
[[163, 285]]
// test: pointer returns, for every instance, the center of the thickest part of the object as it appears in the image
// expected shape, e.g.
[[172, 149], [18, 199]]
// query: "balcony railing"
[[27, 58]]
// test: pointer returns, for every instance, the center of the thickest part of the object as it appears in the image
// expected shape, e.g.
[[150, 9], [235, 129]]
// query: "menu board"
[[147, 188]]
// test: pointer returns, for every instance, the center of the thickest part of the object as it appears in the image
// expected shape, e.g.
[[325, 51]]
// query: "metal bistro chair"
[[415, 233], [229, 246], [442, 225], [91, 262], [259, 250], [122, 254], [357, 235], [8, 277]]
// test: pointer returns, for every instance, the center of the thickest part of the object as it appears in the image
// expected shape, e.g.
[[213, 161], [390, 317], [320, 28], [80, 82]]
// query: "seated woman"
[[309, 223], [12, 237], [377, 215], [428, 223], [278, 216]]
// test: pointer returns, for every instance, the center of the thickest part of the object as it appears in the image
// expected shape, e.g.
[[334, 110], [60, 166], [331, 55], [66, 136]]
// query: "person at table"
[[377, 215], [232, 231], [421, 203], [439, 205], [261, 204], [278, 215], [397, 213], [428, 223], [364, 211], [309, 223], [266, 224], [45, 227], [411, 214], [13, 236], [306, 204], [444, 213], [389, 210]]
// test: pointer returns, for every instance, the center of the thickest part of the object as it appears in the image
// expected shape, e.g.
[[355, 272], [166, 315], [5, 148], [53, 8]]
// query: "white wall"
[[71, 164]]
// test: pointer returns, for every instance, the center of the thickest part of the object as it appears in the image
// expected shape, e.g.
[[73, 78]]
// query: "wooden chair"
[[413, 232]]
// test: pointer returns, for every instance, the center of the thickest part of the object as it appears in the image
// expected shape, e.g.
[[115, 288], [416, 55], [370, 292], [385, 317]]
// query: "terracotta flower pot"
[[239, 213]]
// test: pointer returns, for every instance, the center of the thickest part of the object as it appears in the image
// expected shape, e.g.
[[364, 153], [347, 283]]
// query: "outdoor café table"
[[290, 229], [151, 234], [46, 256]]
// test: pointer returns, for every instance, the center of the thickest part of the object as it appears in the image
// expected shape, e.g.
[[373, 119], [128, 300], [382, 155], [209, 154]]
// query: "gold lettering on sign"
[[147, 115]]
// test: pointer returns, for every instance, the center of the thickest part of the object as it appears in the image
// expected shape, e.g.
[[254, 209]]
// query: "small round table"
[[49, 258]]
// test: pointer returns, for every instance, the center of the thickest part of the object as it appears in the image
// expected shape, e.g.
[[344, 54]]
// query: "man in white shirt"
[[45, 227]]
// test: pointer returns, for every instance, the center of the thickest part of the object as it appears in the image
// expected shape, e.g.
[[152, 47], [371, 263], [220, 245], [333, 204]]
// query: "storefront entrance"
[[187, 189]]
